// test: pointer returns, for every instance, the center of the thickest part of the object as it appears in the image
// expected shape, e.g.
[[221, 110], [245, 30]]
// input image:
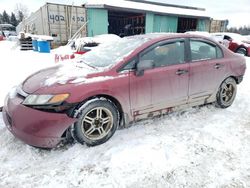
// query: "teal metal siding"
[[149, 27], [165, 23], [203, 25], [97, 21]]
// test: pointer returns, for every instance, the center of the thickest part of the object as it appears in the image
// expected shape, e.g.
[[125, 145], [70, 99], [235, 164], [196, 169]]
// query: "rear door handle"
[[180, 72], [218, 66]]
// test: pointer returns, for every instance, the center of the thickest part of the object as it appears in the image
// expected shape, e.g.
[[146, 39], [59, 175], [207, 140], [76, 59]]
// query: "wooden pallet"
[[26, 44]]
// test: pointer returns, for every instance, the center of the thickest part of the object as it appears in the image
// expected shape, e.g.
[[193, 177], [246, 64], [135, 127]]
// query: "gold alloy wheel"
[[227, 92], [97, 123]]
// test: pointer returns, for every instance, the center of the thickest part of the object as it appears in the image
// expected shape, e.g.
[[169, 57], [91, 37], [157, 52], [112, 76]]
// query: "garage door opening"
[[126, 23], [186, 24]]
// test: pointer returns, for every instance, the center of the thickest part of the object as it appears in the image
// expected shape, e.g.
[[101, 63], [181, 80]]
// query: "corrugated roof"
[[145, 7]]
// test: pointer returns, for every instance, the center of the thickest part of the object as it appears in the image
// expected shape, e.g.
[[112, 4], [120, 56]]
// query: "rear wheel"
[[226, 93], [97, 122], [242, 51]]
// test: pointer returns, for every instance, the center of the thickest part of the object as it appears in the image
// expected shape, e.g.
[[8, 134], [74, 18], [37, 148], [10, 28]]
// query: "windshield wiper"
[[81, 61]]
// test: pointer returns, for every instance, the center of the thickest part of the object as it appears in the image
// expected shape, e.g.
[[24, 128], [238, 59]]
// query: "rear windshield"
[[109, 53]]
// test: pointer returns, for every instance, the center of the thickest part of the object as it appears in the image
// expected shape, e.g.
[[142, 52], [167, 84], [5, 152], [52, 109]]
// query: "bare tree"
[[23, 9]]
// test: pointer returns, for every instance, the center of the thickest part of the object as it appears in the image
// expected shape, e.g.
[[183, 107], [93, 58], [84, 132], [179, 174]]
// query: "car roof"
[[163, 36], [202, 33]]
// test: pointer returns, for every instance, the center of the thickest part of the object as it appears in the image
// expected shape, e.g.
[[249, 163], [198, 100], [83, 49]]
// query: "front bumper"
[[34, 127]]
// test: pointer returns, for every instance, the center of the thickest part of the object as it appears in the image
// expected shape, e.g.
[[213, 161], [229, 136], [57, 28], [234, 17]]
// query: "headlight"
[[45, 99]]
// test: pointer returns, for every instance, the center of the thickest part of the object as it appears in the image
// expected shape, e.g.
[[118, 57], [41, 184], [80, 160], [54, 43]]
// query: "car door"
[[207, 69], [162, 86]]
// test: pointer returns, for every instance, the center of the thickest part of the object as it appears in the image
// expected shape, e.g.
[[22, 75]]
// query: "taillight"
[[72, 56], [81, 52]]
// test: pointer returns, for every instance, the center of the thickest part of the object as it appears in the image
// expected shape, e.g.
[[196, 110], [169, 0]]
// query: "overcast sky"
[[236, 11]]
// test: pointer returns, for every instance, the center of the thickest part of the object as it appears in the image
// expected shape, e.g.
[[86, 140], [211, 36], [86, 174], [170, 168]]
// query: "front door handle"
[[180, 72], [218, 66]]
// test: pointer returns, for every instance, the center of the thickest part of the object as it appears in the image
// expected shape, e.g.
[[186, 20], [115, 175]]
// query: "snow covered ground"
[[16, 65], [201, 147]]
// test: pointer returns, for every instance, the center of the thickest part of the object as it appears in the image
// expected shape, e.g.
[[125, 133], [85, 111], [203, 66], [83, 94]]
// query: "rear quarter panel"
[[237, 64]]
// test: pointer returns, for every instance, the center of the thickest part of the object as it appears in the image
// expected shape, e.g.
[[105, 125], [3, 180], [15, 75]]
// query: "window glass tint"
[[219, 53], [202, 51], [164, 55], [130, 65]]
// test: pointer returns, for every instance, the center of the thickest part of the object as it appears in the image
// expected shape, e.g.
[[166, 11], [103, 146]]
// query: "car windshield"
[[108, 54]]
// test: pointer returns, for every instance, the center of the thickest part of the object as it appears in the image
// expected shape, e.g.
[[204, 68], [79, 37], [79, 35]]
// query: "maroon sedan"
[[233, 41], [112, 85]]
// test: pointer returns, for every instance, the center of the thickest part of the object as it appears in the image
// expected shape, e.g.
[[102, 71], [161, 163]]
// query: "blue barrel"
[[43, 46], [34, 45]]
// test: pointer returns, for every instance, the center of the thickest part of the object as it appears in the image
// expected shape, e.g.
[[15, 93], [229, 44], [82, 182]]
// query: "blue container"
[[34, 45], [43, 46]]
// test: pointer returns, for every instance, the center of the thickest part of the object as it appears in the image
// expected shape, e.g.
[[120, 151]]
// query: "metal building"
[[123, 17], [120, 17]]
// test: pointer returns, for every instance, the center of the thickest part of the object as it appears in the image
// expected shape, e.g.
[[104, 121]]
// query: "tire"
[[226, 93], [98, 120], [242, 51]]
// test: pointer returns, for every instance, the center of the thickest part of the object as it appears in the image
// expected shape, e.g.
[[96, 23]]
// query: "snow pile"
[[42, 37], [201, 33], [16, 65], [67, 52], [63, 53], [35, 37], [200, 147], [104, 38]]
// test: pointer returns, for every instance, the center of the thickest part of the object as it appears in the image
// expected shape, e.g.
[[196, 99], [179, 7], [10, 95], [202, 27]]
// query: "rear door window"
[[201, 50]]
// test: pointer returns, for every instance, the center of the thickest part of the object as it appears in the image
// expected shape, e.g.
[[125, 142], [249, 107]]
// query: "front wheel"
[[96, 123], [242, 51], [226, 93]]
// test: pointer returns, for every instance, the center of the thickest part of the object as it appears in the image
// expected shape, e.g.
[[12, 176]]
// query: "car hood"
[[58, 75]]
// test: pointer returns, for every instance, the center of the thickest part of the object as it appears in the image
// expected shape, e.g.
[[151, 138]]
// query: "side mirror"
[[143, 65]]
